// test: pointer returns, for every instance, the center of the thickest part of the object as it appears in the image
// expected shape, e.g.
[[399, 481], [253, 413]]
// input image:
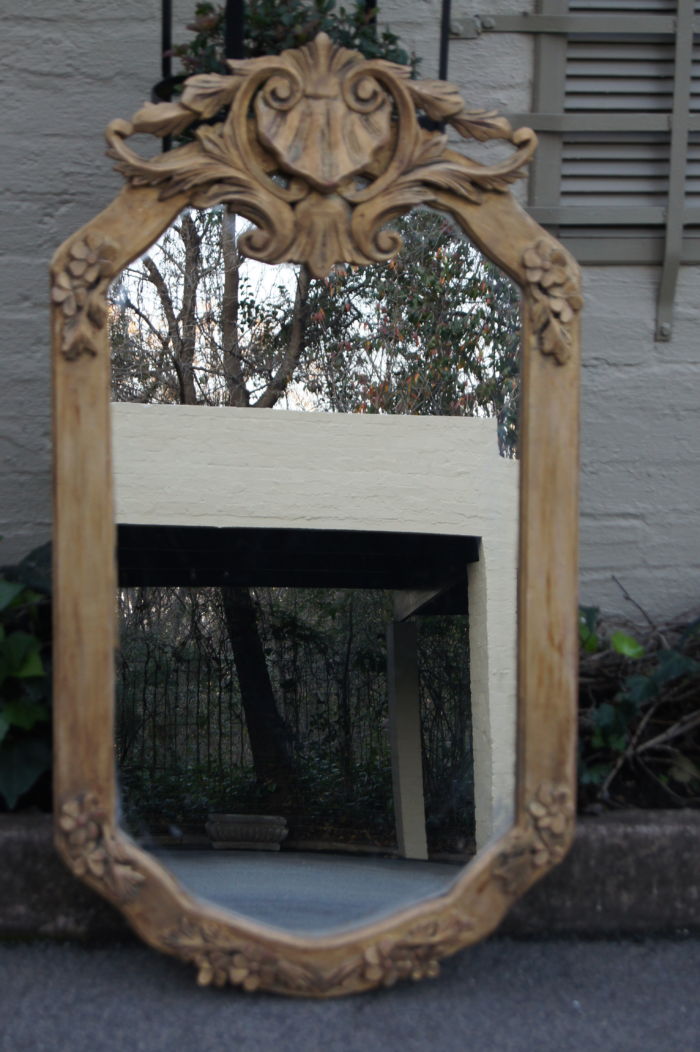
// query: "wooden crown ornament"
[[332, 152]]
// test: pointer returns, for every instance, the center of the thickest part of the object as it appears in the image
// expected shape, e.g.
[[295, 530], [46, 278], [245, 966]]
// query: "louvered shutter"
[[611, 144]]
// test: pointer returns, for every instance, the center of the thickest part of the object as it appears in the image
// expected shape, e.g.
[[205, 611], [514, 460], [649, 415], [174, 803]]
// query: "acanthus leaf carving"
[[322, 117], [93, 848]]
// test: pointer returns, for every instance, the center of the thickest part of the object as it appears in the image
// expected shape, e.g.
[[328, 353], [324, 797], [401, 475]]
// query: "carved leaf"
[[323, 235], [438, 98], [481, 125], [207, 93], [162, 118]]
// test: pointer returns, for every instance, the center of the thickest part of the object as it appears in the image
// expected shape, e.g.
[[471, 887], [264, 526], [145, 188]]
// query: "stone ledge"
[[628, 873]]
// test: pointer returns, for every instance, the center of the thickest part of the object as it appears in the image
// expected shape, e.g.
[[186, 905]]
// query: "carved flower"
[[555, 295], [89, 261], [78, 291], [552, 811], [250, 967], [388, 961], [513, 866], [213, 968], [93, 848], [81, 822]]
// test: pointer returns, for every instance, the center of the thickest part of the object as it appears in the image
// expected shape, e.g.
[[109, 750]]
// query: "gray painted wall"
[[71, 66]]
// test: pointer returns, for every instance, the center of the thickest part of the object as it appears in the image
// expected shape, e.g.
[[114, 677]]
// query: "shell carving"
[[324, 119], [305, 169]]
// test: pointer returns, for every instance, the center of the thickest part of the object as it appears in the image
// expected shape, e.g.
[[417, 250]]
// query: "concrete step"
[[628, 873]]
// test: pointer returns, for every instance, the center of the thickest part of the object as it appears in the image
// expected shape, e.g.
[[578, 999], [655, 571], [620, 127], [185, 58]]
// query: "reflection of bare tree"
[[197, 341]]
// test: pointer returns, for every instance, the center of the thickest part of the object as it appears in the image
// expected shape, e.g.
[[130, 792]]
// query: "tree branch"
[[232, 359], [295, 345]]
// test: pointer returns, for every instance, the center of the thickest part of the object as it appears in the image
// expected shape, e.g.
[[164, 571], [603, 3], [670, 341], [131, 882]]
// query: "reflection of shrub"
[[154, 801], [25, 641], [327, 800]]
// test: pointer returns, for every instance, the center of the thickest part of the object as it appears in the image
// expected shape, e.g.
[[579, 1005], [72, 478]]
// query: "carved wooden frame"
[[343, 138]]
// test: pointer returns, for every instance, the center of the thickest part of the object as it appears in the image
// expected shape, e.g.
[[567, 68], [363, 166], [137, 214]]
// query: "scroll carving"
[[223, 959], [79, 291], [93, 849], [554, 297], [542, 843], [304, 168]]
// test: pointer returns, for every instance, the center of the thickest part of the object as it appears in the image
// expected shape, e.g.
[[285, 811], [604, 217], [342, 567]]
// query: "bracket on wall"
[[678, 162]]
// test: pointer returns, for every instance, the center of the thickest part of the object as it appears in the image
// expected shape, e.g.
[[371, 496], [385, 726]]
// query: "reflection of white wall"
[[192, 465]]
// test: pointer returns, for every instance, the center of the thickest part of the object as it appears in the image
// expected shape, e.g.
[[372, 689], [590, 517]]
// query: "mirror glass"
[[316, 675]]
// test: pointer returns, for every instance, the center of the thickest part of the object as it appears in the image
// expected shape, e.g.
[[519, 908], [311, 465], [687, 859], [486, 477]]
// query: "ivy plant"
[[25, 633], [273, 25]]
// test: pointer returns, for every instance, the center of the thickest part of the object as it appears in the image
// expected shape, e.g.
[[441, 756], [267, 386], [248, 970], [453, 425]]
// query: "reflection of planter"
[[251, 832]]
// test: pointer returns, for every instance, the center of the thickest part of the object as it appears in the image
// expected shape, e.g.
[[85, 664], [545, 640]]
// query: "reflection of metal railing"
[[180, 721], [186, 712]]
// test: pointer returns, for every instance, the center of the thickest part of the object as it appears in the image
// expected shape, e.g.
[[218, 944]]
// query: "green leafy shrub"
[[639, 715], [273, 25], [25, 647]]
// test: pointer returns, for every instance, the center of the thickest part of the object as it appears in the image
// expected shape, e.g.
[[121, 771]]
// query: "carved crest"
[[304, 168]]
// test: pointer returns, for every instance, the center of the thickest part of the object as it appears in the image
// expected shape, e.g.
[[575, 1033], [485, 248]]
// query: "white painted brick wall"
[[71, 66], [640, 478]]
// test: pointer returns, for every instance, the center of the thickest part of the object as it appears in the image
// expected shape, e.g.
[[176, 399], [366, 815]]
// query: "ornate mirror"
[[319, 151]]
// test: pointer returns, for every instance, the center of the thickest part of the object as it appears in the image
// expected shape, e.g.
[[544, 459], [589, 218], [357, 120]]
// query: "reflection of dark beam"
[[208, 556], [450, 598]]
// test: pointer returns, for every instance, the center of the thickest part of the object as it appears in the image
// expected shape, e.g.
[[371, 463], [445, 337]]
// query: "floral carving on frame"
[[555, 297], [225, 959], [304, 169], [79, 291], [544, 840], [93, 848]]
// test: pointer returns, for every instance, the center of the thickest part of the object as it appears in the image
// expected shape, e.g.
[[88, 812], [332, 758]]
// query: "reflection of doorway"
[[184, 747], [303, 493], [330, 671]]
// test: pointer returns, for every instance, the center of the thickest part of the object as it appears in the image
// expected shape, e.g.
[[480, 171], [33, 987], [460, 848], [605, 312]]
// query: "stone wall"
[[70, 67]]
